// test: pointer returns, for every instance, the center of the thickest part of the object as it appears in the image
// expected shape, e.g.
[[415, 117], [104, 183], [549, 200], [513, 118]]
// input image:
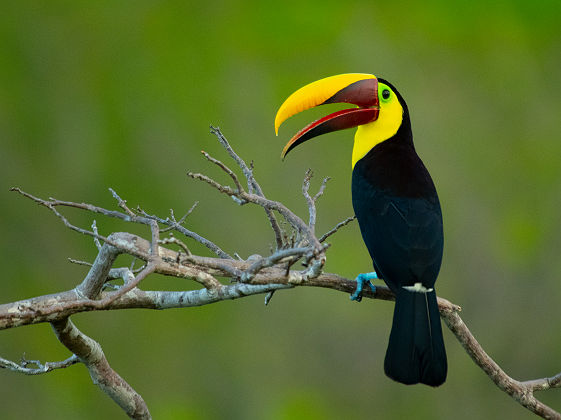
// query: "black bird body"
[[398, 210], [399, 214]]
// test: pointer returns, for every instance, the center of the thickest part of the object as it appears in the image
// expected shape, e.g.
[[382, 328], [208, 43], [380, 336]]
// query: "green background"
[[120, 94]]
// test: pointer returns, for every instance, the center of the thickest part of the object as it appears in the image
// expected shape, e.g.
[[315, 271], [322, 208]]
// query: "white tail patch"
[[418, 287]]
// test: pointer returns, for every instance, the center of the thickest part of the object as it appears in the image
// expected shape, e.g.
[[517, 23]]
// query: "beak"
[[354, 88]]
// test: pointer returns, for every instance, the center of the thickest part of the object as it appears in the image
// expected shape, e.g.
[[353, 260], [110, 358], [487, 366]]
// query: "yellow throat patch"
[[389, 120]]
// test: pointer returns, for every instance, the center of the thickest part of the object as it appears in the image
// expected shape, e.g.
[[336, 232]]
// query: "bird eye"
[[385, 94]]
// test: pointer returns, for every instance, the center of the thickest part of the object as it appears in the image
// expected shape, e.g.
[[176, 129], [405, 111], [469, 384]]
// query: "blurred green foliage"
[[120, 94]]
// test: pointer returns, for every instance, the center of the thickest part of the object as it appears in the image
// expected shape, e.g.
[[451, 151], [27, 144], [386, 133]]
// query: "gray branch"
[[523, 392], [177, 225], [90, 353], [252, 184], [311, 201], [244, 196], [256, 275], [23, 365], [336, 228]]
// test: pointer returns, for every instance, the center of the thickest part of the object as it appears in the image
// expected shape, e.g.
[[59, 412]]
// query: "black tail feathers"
[[416, 349]]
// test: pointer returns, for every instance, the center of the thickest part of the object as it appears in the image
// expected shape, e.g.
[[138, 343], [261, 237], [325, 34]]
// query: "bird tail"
[[416, 348]]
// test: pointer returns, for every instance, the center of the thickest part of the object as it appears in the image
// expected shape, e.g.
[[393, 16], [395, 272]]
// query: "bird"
[[398, 210]]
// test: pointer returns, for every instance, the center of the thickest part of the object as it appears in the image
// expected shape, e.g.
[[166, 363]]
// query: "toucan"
[[395, 202]]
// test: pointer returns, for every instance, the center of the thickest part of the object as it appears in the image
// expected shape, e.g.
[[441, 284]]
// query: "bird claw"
[[361, 280]]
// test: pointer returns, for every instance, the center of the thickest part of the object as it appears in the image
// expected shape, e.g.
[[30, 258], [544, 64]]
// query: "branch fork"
[[255, 275]]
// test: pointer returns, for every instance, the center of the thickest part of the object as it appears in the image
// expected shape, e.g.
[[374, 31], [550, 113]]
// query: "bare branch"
[[321, 188], [222, 188], [124, 273], [173, 240], [224, 168], [311, 201], [544, 383], [96, 277], [289, 216], [177, 226], [149, 269], [253, 276], [50, 308], [522, 392], [180, 221], [122, 203], [79, 262], [266, 280], [247, 171], [96, 235], [336, 228], [268, 297], [273, 259], [51, 205], [83, 206], [253, 185], [90, 353], [144, 218], [23, 366]]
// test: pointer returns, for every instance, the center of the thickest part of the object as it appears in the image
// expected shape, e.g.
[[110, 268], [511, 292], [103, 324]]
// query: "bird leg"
[[361, 280]]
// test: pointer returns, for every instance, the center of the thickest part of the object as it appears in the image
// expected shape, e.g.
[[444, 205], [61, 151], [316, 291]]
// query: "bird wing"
[[402, 234]]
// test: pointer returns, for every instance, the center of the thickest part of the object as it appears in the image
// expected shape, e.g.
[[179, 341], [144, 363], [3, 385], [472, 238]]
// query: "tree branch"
[[90, 353], [256, 275], [23, 365], [311, 201], [522, 392], [252, 183], [336, 228]]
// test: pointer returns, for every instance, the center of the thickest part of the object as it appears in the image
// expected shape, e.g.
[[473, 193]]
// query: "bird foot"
[[361, 280]]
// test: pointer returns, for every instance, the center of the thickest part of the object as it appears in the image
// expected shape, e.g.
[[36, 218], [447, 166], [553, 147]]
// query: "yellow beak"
[[355, 88]]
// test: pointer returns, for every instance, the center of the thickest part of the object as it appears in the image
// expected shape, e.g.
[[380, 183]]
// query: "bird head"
[[378, 114]]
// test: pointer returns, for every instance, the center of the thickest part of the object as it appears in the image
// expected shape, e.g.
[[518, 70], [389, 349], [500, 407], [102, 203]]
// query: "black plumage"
[[400, 219], [397, 208]]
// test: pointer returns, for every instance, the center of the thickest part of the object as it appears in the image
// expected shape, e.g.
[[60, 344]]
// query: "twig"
[[149, 269], [336, 228], [224, 168], [22, 367], [321, 188], [544, 383], [52, 203], [122, 203], [268, 297], [311, 201], [173, 240], [252, 183], [290, 217], [96, 235], [180, 221], [273, 259], [78, 262], [181, 229]]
